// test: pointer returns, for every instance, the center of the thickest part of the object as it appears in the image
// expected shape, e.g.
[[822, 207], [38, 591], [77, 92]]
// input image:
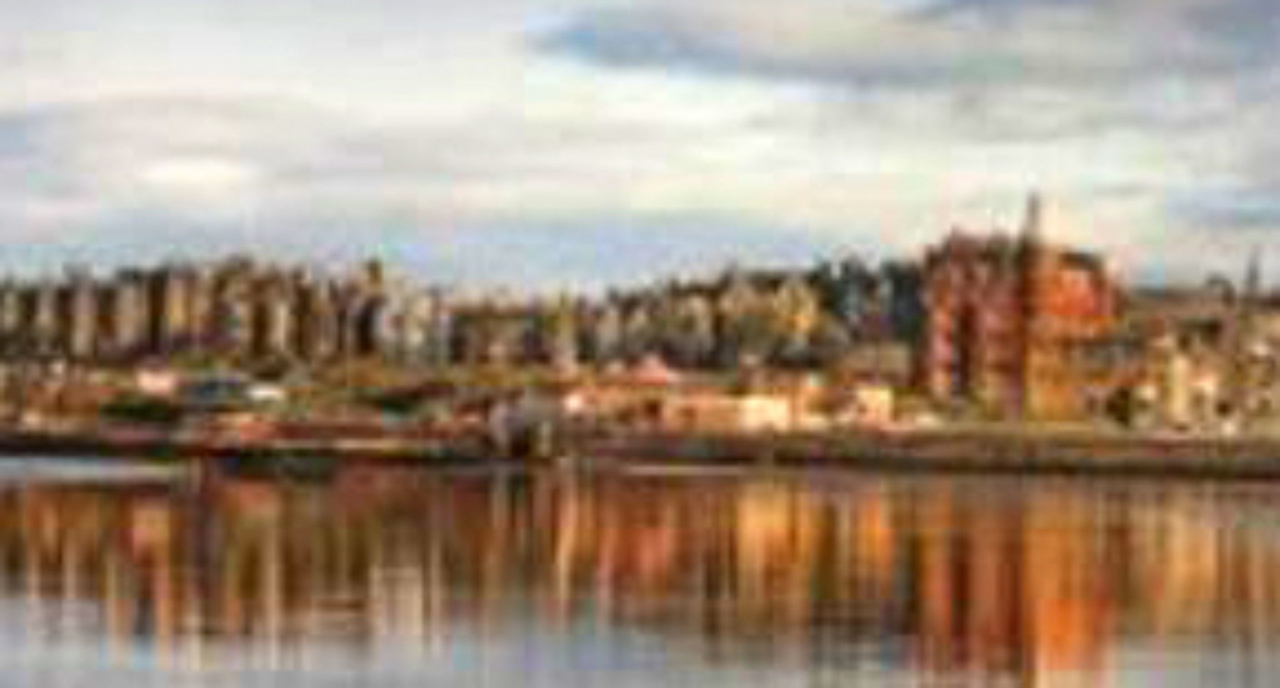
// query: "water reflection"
[[508, 580]]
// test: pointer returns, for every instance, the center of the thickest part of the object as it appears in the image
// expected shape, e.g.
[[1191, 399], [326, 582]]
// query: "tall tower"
[[1036, 340], [1253, 278], [1033, 221]]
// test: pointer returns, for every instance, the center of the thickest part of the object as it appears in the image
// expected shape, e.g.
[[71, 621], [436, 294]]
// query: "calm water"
[[402, 578]]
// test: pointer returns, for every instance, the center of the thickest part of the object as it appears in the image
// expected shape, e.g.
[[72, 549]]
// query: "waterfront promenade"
[[961, 449], [968, 450]]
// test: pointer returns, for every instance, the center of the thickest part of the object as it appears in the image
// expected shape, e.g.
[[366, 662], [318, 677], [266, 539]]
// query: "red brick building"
[[1005, 316]]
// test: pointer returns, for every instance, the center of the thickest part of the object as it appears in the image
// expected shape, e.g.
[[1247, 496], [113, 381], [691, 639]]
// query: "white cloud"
[[199, 179], [869, 123]]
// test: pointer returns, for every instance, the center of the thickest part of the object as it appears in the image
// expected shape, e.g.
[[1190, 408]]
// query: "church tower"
[[1033, 221], [1253, 279], [1038, 367]]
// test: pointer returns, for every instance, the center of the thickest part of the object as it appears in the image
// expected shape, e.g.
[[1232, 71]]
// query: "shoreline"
[[968, 451], [993, 450], [154, 446]]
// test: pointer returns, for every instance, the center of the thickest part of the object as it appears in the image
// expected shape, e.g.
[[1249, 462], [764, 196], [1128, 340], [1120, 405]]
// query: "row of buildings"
[[241, 311], [799, 318], [1008, 324], [235, 310]]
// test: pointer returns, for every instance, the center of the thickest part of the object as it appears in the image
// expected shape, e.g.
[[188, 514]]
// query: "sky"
[[574, 143]]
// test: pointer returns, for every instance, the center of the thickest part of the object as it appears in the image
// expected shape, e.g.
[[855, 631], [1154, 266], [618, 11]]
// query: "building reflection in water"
[[1020, 582]]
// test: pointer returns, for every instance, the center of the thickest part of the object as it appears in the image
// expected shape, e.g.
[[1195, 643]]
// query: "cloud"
[[1239, 209], [1164, 100], [1025, 68], [572, 134], [146, 178], [962, 42]]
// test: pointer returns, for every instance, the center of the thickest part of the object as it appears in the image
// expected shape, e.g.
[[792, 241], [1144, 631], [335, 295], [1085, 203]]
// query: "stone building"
[[1209, 355], [316, 320], [131, 308], [171, 324], [78, 317], [10, 317], [272, 319], [798, 317], [1004, 316], [43, 326], [235, 310], [493, 332]]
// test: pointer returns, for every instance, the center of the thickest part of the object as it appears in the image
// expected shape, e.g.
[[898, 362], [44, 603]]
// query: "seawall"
[[993, 450], [987, 450]]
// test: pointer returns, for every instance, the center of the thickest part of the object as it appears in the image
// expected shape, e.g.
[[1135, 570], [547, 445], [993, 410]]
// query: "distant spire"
[[1253, 275], [1033, 223]]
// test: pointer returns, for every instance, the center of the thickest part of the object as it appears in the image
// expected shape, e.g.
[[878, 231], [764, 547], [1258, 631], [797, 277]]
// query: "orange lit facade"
[[1006, 317]]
